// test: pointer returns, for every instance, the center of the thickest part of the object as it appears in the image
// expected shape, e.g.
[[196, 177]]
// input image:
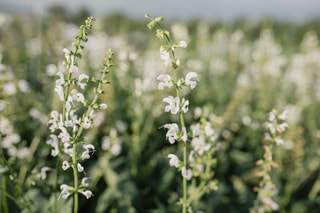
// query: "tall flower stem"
[[75, 176]]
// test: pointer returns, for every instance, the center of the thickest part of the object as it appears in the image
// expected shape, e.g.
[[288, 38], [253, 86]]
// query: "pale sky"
[[292, 10]]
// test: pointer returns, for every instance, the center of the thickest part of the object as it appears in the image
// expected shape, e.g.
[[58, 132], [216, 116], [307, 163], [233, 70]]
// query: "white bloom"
[[64, 191], [68, 148], [279, 141], [59, 90], [85, 155], [92, 114], [270, 126], [55, 144], [269, 202], [2, 169], [87, 193], [174, 161], [165, 55], [208, 130], [44, 171], [80, 168], [173, 104], [182, 44], [9, 88], [103, 106], [88, 147], [106, 143], [24, 86], [65, 165], [200, 145], [66, 54], [272, 117], [165, 81], [84, 182], [60, 82], [172, 132], [81, 78], [186, 173], [284, 115], [86, 123], [282, 127], [185, 105], [191, 158], [116, 149], [191, 79]]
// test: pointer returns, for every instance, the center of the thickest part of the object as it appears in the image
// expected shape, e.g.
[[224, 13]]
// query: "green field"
[[245, 70]]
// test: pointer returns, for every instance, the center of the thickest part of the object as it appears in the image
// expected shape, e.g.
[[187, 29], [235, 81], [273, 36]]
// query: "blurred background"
[[251, 56]]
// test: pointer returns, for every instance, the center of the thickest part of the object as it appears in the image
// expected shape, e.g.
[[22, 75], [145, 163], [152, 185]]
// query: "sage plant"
[[175, 104], [68, 125], [267, 190]]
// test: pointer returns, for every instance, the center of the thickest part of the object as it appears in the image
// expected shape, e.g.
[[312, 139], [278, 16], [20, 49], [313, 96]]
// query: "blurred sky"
[[224, 10]]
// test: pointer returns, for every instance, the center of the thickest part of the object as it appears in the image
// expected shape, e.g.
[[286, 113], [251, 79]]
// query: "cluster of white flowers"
[[66, 127], [112, 143], [276, 125], [177, 104]]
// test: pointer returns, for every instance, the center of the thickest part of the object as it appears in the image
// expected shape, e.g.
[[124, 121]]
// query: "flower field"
[[115, 115]]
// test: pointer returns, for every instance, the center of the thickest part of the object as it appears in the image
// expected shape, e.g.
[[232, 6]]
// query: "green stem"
[[185, 151], [75, 175]]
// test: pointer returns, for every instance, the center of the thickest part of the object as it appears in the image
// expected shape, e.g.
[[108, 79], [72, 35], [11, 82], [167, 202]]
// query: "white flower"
[[2, 169], [186, 173], [208, 130], [64, 191], [191, 158], [80, 168], [191, 79], [284, 115], [87, 193], [185, 105], [174, 161], [59, 90], [282, 127], [106, 143], [269, 202], [165, 55], [9, 88], [165, 81], [24, 86], [55, 144], [103, 106], [279, 141], [182, 44], [65, 165], [84, 182], [85, 155], [200, 145], [116, 149], [270, 126], [272, 116], [81, 78], [172, 132], [60, 82], [68, 148], [66, 54], [44, 171], [173, 104], [86, 123]]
